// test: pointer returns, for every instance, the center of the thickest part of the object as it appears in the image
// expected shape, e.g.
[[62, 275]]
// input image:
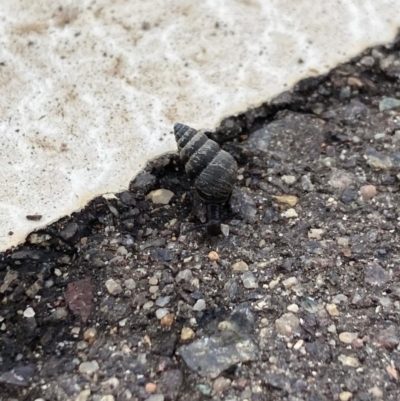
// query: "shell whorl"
[[213, 169]]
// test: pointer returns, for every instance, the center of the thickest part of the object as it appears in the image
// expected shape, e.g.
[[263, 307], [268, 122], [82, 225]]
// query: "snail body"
[[212, 169]]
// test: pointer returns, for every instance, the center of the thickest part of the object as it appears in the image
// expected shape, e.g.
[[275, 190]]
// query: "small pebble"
[[187, 334], [332, 310], [221, 384], [389, 103], [49, 283], [128, 241], [287, 324], [240, 266], [347, 360], [368, 192], [150, 387], [225, 325], [130, 284], [309, 305], [347, 252], [90, 335], [162, 301], [289, 282], [172, 222], [75, 331], [153, 289], [200, 305], [354, 81], [121, 251], [347, 337], [88, 368], [184, 275], [160, 196], [29, 312], [225, 230], [339, 298], [342, 241], [290, 200], [144, 181], [289, 179], [148, 305], [204, 389], [379, 136], [153, 280], [368, 61], [392, 371], [319, 280], [168, 320], [249, 280], [69, 231], [345, 396], [83, 395], [213, 256], [349, 195], [290, 213], [38, 239], [160, 313], [273, 283], [113, 287], [293, 308], [315, 233]]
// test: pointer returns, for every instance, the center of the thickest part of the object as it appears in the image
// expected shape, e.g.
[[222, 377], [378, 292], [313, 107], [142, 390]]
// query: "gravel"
[[298, 299], [240, 266]]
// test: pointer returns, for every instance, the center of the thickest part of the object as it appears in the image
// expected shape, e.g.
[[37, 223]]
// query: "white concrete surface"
[[90, 89]]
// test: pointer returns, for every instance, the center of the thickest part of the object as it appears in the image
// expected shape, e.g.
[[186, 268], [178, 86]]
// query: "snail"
[[212, 169]]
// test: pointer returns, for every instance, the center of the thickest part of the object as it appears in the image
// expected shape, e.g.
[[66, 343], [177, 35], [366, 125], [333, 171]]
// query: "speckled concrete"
[[90, 90]]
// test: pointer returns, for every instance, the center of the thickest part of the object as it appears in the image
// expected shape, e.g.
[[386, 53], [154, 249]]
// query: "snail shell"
[[213, 169]]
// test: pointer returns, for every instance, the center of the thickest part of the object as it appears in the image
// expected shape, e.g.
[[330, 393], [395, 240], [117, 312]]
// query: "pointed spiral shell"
[[213, 170]]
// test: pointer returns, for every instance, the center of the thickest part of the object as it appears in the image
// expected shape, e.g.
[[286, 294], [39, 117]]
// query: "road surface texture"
[[298, 299]]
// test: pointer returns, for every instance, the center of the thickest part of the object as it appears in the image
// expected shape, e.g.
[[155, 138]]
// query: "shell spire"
[[213, 170]]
